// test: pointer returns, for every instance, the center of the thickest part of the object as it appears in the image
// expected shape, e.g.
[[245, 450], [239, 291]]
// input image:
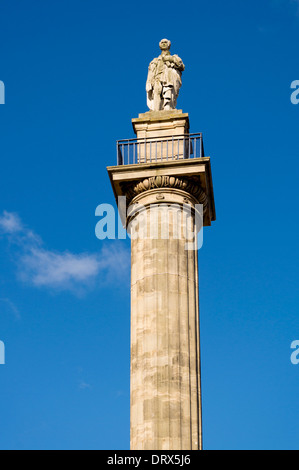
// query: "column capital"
[[193, 176], [134, 188]]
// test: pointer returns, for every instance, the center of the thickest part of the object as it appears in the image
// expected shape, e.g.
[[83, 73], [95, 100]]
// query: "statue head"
[[164, 44]]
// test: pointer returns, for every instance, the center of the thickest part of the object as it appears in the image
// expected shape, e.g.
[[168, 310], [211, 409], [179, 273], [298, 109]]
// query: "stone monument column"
[[165, 359], [165, 179]]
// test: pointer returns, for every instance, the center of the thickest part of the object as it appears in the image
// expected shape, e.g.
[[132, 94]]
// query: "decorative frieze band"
[[132, 189]]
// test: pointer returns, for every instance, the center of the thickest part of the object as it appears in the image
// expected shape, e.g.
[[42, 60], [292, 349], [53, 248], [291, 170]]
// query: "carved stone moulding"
[[188, 185]]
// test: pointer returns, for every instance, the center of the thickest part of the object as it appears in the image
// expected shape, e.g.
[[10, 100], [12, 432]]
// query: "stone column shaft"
[[165, 351]]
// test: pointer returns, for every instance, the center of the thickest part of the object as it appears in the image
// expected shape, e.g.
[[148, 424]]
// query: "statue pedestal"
[[161, 135], [161, 124]]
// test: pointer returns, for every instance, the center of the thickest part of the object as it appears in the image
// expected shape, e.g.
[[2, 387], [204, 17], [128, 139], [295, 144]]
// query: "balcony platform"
[[163, 150]]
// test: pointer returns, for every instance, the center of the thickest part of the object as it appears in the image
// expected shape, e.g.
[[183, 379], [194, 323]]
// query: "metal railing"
[[159, 149]]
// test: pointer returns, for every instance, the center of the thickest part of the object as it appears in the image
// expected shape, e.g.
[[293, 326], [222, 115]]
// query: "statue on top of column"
[[164, 79]]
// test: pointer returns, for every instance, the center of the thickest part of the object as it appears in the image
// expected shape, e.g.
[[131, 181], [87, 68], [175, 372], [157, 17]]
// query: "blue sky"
[[74, 75]]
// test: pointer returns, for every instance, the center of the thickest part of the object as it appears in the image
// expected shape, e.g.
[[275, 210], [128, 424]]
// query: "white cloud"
[[62, 270], [10, 223]]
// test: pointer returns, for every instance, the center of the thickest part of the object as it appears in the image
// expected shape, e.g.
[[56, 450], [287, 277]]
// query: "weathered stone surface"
[[165, 346], [164, 79], [161, 124], [165, 361], [169, 127]]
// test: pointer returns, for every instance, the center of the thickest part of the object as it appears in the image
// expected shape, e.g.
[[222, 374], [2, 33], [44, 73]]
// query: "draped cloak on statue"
[[164, 75]]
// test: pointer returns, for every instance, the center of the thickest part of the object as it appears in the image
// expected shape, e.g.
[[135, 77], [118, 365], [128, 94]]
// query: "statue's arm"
[[178, 63], [148, 85]]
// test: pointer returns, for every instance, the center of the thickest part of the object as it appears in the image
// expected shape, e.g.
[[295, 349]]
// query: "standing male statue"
[[164, 79]]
